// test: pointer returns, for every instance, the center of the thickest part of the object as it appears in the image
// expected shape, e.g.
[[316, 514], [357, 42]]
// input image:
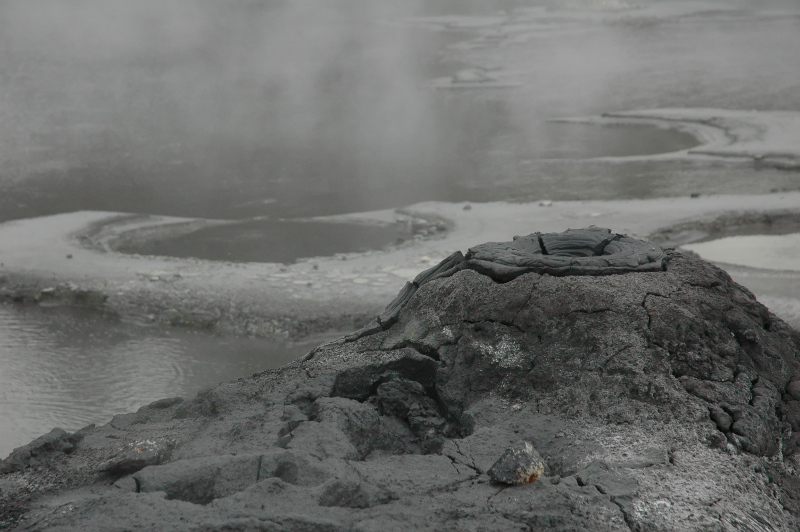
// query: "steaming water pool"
[[64, 367], [286, 241]]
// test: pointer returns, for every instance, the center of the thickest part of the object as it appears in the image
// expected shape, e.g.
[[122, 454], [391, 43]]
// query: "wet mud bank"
[[236, 312], [729, 224], [76, 263], [70, 259], [597, 398]]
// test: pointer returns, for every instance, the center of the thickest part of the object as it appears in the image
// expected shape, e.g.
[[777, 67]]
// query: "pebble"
[[519, 464]]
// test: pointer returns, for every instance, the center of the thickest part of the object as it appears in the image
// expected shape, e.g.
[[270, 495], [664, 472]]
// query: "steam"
[[256, 91], [248, 108]]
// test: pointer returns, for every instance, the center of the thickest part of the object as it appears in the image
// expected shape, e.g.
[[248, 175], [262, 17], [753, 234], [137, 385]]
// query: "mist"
[[216, 94], [286, 108]]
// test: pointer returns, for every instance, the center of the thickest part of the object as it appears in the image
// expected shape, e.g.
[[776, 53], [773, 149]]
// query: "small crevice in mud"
[[466, 455], [478, 325], [453, 461], [630, 523], [601, 247], [527, 302], [285, 435], [649, 335], [500, 490], [541, 244], [602, 367], [589, 311], [258, 471], [423, 349]]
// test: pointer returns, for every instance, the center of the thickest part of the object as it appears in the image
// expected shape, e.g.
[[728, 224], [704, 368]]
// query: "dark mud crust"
[[592, 251], [414, 415]]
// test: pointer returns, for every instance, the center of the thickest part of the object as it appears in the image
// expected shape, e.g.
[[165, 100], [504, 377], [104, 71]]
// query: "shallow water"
[[771, 252], [63, 367], [285, 241]]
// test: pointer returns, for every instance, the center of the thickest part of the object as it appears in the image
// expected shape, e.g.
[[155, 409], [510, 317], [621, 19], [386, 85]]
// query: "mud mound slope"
[[573, 381]]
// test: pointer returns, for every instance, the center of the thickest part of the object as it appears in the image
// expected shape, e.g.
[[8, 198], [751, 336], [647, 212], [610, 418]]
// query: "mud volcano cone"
[[574, 381], [590, 323]]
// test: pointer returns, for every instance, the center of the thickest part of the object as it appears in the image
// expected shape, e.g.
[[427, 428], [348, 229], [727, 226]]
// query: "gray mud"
[[656, 400]]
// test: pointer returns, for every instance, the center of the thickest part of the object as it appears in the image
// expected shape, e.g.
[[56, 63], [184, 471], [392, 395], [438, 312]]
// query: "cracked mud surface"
[[658, 400], [594, 251]]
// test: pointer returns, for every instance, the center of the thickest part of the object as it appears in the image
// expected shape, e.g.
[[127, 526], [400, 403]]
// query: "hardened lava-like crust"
[[591, 251]]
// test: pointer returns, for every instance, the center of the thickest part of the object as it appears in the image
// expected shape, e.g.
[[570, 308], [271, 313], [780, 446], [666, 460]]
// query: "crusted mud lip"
[[764, 138], [703, 229], [67, 254]]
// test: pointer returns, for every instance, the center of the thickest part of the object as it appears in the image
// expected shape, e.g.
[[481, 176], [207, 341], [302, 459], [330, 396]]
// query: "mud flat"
[[69, 257]]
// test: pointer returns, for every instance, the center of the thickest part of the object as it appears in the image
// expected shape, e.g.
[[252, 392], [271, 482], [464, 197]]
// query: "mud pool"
[[586, 141], [267, 241]]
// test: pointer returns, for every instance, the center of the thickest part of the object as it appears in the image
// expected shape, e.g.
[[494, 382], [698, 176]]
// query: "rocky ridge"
[[661, 396]]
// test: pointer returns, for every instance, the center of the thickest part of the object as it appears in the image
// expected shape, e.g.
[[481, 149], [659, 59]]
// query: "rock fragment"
[[39, 450], [199, 480], [138, 455], [519, 464]]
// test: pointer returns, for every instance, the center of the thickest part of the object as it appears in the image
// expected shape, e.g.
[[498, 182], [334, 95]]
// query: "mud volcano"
[[617, 386]]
